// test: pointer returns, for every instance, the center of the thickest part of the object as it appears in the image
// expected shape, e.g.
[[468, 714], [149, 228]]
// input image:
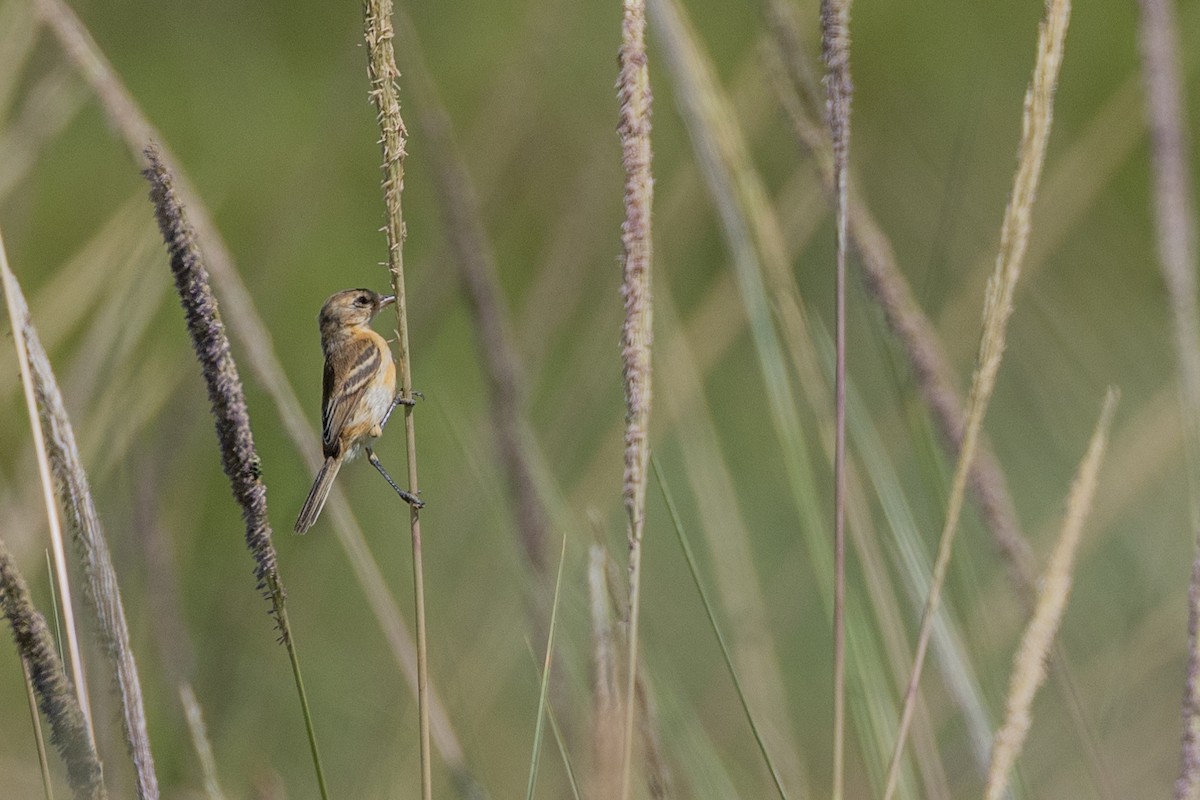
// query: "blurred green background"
[[265, 105]]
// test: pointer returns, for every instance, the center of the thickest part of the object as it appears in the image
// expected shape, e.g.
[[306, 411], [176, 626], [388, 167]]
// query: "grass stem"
[[385, 94], [835, 36]]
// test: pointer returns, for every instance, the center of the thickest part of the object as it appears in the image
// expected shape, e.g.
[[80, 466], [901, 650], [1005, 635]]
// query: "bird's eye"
[[363, 301]]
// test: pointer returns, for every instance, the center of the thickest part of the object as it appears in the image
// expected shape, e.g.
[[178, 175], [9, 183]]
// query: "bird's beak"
[[387, 301]]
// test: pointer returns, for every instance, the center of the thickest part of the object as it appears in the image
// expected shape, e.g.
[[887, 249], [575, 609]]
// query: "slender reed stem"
[[19, 323], [385, 94], [1014, 238], [835, 37], [633, 92], [239, 457]]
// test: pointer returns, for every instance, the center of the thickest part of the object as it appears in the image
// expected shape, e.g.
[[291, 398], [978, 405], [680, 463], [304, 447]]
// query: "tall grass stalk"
[[1175, 226], [101, 588], [239, 457], [20, 322], [637, 334], [1014, 238], [835, 38], [252, 333], [710, 613], [385, 94], [536, 754], [1029, 664], [68, 729]]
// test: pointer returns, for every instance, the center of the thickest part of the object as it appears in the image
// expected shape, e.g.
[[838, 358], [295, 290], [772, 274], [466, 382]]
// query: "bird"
[[358, 395]]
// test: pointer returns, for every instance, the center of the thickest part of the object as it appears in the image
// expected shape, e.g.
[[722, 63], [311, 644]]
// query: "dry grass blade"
[[835, 38], [101, 588], [20, 323], [385, 94], [1014, 238], [1029, 664], [239, 457], [69, 731], [637, 333]]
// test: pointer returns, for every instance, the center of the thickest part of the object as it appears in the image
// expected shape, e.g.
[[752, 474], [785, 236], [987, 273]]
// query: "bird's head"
[[352, 308]]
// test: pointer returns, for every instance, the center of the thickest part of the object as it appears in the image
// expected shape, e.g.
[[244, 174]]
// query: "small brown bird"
[[359, 392]]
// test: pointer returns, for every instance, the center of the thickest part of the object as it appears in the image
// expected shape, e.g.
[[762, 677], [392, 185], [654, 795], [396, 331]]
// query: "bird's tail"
[[318, 494]]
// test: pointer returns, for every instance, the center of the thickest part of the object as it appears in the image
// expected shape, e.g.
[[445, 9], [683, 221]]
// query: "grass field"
[[513, 208]]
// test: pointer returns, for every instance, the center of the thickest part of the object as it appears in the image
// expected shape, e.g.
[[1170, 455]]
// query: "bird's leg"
[[408, 497], [399, 400]]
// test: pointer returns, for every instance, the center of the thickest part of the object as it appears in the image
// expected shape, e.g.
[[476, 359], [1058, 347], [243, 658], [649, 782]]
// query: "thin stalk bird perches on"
[[379, 36]]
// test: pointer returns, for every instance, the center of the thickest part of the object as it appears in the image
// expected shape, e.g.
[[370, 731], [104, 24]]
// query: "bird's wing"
[[347, 376]]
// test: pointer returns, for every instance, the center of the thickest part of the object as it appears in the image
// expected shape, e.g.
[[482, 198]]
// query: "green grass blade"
[[539, 728], [712, 621], [558, 737]]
